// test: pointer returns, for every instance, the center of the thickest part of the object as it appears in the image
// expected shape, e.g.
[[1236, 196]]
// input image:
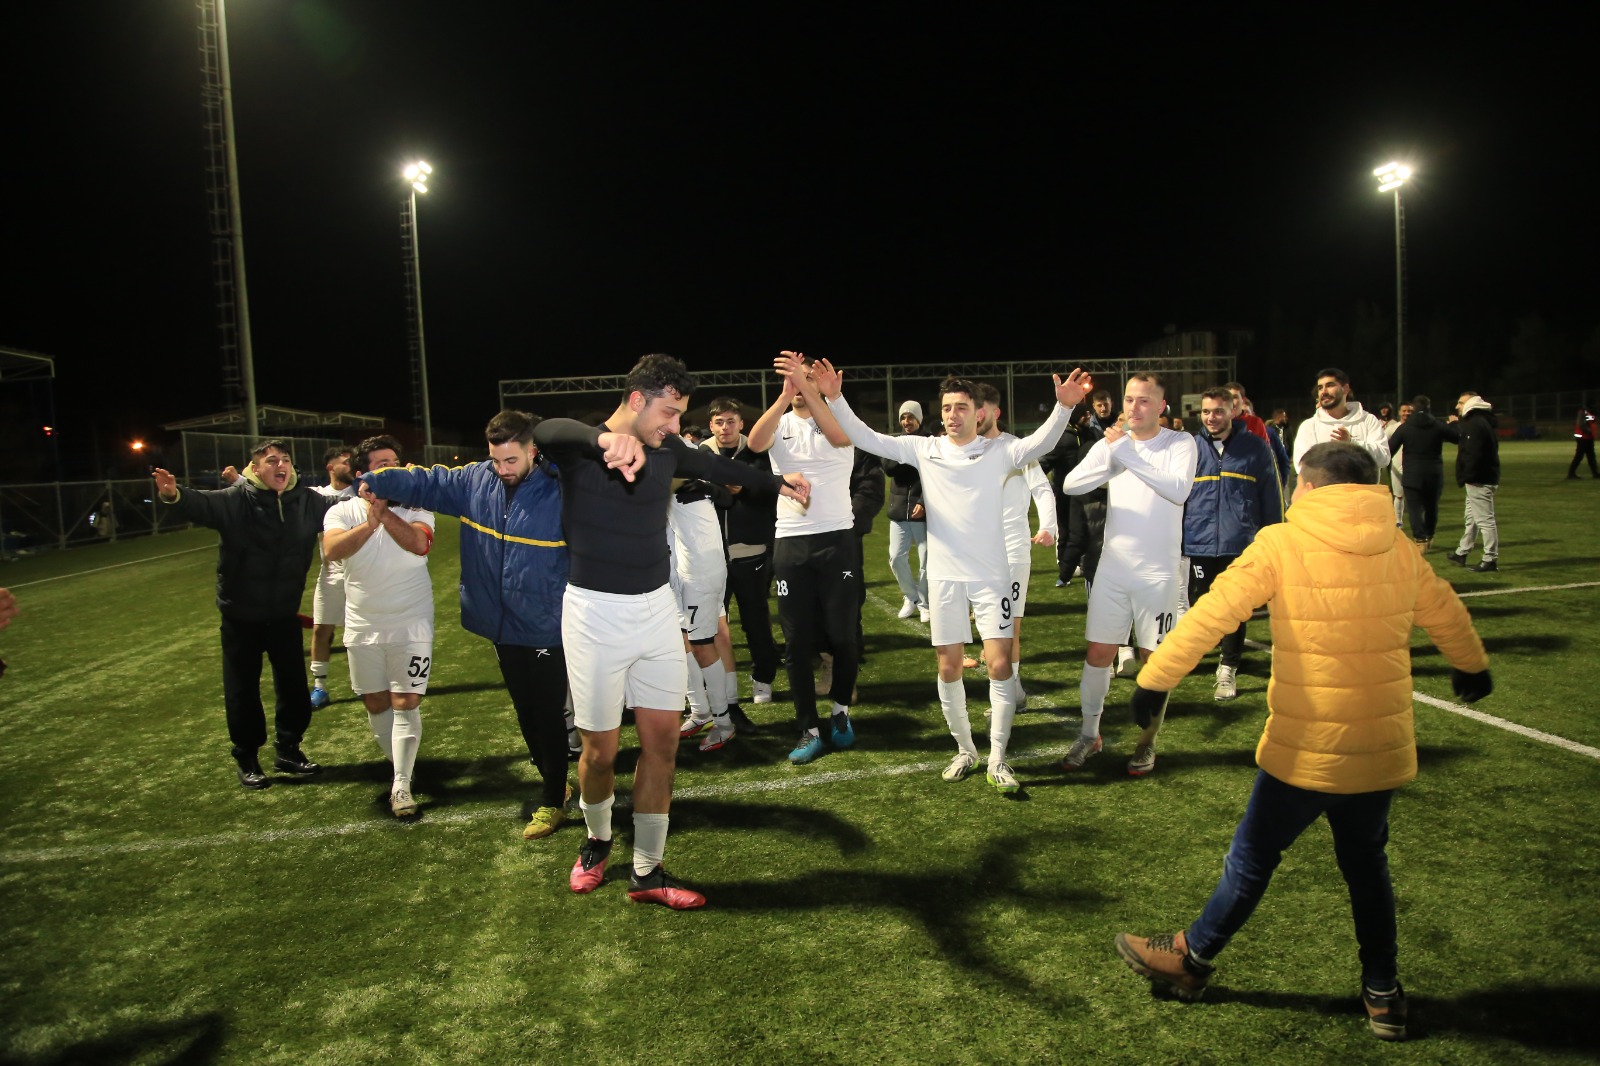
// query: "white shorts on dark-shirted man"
[[622, 651], [1119, 601], [951, 602]]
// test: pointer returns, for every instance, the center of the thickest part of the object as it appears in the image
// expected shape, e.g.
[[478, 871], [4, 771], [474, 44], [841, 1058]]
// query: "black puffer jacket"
[[267, 544], [1477, 438], [1420, 445], [905, 488]]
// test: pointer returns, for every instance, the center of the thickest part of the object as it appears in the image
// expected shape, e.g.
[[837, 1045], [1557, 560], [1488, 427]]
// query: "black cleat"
[[1485, 566], [294, 761], [1457, 558]]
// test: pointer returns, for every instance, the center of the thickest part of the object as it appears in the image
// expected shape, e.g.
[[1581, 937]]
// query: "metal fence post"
[[61, 519]]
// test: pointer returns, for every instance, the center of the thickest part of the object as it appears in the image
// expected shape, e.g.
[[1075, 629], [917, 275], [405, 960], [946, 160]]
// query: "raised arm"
[[441, 489], [1044, 501], [762, 434], [819, 378], [839, 415], [206, 507]]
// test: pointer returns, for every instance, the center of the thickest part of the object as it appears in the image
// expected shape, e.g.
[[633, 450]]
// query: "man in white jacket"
[[1340, 418]]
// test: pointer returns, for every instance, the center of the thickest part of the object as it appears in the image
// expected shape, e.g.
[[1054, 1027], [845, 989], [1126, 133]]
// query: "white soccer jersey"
[[798, 447], [1021, 486], [697, 553], [388, 593], [1147, 482], [963, 488]]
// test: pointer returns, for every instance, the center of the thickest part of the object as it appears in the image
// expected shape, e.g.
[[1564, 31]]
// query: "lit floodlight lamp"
[[417, 174], [1392, 176]]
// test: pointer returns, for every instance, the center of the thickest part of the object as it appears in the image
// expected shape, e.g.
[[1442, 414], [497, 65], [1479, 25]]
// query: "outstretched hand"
[[166, 484], [623, 452], [1070, 393], [828, 380]]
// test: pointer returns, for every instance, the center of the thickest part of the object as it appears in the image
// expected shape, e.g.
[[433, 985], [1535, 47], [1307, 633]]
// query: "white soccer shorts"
[[950, 602], [1120, 601], [327, 599], [1018, 592], [390, 667], [622, 651], [701, 604]]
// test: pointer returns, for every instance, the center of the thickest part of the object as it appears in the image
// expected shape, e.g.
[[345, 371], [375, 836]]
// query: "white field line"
[[1501, 723], [114, 566], [220, 840], [1529, 588]]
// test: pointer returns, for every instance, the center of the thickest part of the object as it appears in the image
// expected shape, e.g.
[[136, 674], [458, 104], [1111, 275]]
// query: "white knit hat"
[[914, 407]]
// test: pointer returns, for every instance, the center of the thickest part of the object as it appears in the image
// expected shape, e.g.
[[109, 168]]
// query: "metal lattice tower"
[[216, 156], [408, 250]]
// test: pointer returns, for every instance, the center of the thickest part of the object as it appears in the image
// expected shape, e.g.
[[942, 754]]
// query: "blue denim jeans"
[[1275, 818]]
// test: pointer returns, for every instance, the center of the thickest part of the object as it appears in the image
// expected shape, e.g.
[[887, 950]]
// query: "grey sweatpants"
[[1480, 516]]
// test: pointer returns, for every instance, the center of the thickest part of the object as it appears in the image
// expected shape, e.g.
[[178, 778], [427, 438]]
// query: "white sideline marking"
[[1501, 723], [1530, 588], [113, 566], [219, 840]]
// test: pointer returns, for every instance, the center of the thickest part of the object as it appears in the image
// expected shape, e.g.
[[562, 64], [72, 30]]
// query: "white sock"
[[649, 841], [407, 739], [699, 707], [1001, 711], [1016, 683], [953, 702], [839, 708], [319, 674], [715, 679], [732, 683], [383, 731], [597, 816], [1092, 694]]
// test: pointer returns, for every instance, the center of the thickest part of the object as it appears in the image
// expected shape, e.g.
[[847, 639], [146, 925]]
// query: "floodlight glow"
[[425, 168], [411, 172], [1392, 175], [1391, 185], [419, 186], [1381, 171]]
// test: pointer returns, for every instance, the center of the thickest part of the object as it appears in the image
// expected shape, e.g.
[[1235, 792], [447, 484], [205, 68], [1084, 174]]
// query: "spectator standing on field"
[[908, 522], [327, 602], [1235, 495], [1583, 434], [1416, 450], [1344, 592], [1339, 418], [513, 575], [1397, 491], [269, 524], [1477, 438]]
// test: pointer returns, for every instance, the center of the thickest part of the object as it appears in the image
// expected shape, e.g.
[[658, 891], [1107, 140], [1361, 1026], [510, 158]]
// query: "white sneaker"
[[1227, 683], [692, 726], [922, 612], [1081, 751], [1127, 662], [760, 692], [401, 803], [907, 608], [1143, 761], [963, 762]]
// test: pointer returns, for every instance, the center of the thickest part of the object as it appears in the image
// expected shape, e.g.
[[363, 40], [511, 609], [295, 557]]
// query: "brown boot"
[[1386, 1014], [1166, 960]]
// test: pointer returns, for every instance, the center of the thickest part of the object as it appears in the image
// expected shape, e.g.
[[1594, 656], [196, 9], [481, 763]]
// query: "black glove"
[[1146, 705], [1471, 687]]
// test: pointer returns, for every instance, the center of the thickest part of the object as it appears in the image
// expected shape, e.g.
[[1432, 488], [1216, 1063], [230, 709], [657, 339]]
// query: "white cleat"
[[907, 608], [1082, 750], [1127, 662], [1227, 684], [959, 766], [922, 613], [760, 692]]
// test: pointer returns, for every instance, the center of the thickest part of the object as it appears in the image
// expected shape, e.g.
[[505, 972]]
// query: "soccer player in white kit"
[[327, 602], [963, 476], [700, 577], [388, 620], [1148, 471], [1020, 487]]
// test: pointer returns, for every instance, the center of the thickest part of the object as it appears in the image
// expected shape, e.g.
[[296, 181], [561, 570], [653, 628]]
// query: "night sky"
[[721, 182]]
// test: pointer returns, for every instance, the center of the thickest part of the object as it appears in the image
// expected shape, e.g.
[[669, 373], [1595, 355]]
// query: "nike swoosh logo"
[[419, 684], [788, 438], [1006, 626]]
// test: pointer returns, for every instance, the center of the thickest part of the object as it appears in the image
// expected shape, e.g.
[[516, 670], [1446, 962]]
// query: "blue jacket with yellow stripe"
[[1235, 494], [513, 554]]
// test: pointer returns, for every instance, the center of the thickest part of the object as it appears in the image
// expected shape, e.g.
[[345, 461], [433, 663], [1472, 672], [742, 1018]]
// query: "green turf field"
[[861, 909]]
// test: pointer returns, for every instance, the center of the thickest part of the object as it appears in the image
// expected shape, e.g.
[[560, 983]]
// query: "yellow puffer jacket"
[[1344, 591]]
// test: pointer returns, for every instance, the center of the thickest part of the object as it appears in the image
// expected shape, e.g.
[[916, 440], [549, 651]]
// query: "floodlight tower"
[[227, 227], [1393, 176], [417, 175]]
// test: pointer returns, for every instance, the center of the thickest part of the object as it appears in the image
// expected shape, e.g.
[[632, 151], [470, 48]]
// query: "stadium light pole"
[[417, 174], [247, 362], [1393, 176]]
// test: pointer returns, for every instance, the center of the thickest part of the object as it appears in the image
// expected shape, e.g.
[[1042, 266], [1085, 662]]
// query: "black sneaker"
[[250, 775], [1457, 558], [1485, 566], [1386, 1014], [294, 761], [741, 721]]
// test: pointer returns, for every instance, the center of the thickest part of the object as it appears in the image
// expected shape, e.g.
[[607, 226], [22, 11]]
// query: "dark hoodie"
[[1478, 438], [267, 543], [1422, 437]]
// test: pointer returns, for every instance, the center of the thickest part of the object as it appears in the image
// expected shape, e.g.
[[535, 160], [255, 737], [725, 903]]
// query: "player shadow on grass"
[[808, 822], [186, 1042], [949, 904], [1495, 645], [1542, 1018]]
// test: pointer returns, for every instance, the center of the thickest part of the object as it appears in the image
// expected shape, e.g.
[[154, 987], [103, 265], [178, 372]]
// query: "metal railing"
[[61, 514]]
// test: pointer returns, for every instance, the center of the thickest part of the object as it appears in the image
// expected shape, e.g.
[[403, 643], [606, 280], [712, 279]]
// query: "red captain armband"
[[428, 547]]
